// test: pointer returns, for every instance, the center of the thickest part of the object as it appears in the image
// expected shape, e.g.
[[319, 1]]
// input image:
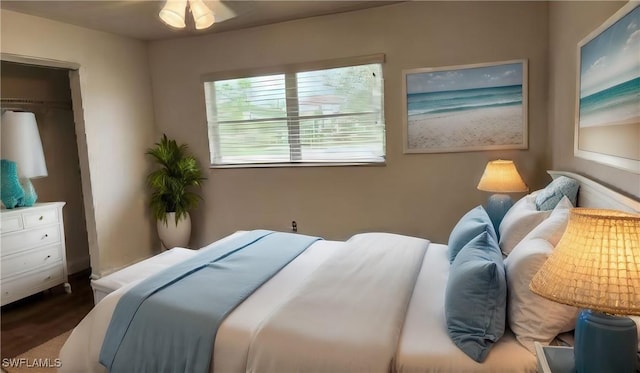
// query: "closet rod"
[[23, 101]]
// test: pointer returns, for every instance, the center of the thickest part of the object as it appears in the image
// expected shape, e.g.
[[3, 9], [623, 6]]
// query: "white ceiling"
[[139, 18]]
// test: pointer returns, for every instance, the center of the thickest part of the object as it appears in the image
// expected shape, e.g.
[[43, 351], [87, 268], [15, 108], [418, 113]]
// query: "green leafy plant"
[[171, 185]]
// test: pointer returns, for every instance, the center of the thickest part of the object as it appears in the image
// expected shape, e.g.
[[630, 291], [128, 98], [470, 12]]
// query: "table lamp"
[[596, 266], [500, 177], [21, 144]]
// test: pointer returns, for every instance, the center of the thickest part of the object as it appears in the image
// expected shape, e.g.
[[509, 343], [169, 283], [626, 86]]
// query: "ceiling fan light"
[[205, 21], [202, 15], [173, 13]]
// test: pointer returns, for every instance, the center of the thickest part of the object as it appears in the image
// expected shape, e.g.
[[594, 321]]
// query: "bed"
[[420, 340]]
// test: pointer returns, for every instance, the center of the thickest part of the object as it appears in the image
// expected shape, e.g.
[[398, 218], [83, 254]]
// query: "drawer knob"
[[45, 236], [48, 278], [48, 256], [41, 217]]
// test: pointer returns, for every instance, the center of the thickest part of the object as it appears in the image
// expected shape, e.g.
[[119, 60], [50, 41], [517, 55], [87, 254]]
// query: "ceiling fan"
[[173, 13]]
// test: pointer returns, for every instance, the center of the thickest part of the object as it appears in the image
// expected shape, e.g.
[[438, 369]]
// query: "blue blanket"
[[168, 322]]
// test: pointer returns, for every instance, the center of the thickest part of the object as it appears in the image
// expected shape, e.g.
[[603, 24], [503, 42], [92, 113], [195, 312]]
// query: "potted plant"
[[172, 194]]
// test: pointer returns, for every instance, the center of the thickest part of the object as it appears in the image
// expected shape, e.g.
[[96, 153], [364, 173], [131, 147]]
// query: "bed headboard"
[[595, 195]]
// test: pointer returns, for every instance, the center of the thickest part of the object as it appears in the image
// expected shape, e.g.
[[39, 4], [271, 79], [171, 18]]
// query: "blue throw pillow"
[[476, 297], [562, 186], [468, 227]]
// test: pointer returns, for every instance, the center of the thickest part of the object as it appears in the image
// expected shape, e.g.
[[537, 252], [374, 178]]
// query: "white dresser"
[[32, 250]]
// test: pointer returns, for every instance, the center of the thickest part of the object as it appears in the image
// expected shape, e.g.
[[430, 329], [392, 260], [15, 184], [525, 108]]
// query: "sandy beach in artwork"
[[621, 139], [466, 128]]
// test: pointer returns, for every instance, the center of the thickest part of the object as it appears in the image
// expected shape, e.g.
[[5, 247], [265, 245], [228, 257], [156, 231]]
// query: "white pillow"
[[552, 228], [521, 218], [531, 317]]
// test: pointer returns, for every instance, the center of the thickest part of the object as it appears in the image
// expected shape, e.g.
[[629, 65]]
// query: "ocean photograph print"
[[466, 108], [607, 126]]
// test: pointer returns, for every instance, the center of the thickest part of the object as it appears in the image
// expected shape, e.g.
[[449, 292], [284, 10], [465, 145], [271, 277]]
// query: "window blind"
[[331, 115]]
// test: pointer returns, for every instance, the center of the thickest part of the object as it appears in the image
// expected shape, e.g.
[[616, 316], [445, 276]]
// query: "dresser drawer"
[[32, 250], [22, 286], [41, 217], [11, 223], [20, 241], [23, 262]]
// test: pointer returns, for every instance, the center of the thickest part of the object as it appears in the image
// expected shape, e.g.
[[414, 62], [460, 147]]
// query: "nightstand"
[[554, 359]]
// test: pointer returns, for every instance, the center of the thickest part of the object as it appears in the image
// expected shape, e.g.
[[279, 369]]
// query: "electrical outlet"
[[294, 226]]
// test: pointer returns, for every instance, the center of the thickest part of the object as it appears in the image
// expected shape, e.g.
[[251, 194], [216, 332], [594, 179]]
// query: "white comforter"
[[424, 345], [354, 305]]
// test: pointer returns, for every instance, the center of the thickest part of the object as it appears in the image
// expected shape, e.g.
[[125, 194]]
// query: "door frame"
[[81, 139]]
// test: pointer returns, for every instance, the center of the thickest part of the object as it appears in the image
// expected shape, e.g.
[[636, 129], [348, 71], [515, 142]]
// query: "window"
[[306, 116]]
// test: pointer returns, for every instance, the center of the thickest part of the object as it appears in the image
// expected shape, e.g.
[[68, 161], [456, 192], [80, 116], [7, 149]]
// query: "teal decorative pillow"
[[11, 190], [562, 186], [468, 227], [476, 297]]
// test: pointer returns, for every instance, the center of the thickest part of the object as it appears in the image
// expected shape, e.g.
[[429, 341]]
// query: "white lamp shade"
[[202, 15], [173, 13], [21, 144]]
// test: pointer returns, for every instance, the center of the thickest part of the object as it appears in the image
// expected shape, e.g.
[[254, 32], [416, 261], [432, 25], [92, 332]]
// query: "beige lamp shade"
[[501, 176], [596, 264]]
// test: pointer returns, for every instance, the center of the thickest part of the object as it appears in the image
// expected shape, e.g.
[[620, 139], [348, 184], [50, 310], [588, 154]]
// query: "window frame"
[[287, 70]]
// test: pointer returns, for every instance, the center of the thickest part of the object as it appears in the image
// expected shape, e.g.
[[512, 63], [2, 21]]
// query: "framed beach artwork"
[[607, 128], [466, 108]]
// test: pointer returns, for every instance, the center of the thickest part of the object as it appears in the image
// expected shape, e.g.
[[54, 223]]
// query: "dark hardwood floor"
[[34, 320]]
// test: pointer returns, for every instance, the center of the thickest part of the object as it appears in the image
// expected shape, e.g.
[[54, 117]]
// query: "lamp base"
[[497, 207], [30, 195], [605, 343]]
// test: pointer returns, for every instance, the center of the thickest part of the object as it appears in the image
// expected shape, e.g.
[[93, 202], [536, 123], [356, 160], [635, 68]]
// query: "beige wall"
[[58, 135], [570, 22], [115, 124], [419, 194]]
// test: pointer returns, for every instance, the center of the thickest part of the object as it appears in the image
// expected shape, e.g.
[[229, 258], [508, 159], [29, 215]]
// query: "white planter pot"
[[172, 234]]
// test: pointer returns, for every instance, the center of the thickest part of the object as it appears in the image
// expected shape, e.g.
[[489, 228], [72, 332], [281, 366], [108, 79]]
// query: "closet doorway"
[[46, 92]]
